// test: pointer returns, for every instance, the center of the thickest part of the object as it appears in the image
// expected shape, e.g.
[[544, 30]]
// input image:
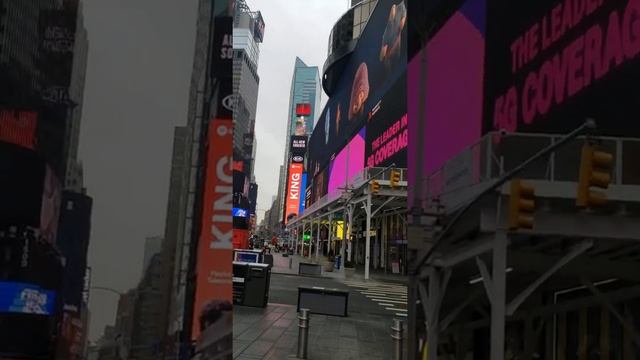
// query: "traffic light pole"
[[589, 125]]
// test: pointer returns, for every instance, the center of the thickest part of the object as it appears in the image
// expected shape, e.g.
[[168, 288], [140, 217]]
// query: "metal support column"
[[385, 243], [343, 245], [300, 238], [350, 227], [330, 234], [367, 249], [498, 298], [318, 240], [310, 238]]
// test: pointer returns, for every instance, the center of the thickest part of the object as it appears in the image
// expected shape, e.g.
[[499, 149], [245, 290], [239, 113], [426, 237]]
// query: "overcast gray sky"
[[292, 28], [140, 60], [137, 83]]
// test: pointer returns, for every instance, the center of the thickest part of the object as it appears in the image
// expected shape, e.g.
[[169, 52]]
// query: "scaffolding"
[[569, 284], [344, 208]]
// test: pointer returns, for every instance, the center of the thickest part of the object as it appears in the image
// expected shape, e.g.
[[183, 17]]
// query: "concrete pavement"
[[272, 332]]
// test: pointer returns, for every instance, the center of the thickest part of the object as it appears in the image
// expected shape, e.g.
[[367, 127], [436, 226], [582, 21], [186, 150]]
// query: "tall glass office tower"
[[305, 89]]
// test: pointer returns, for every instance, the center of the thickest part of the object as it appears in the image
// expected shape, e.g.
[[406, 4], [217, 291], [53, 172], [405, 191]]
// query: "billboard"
[[215, 246], [238, 212], [222, 57], [57, 38], [551, 64], [347, 164], [23, 298], [303, 186], [452, 76], [18, 128], [294, 191], [73, 241], [387, 129], [22, 176], [376, 64], [303, 109], [298, 149]]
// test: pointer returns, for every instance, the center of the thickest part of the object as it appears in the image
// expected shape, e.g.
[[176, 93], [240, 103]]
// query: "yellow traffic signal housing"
[[395, 178], [375, 187], [522, 205], [595, 171]]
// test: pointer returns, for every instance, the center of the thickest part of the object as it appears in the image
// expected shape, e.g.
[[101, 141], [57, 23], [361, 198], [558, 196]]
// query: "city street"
[[272, 333]]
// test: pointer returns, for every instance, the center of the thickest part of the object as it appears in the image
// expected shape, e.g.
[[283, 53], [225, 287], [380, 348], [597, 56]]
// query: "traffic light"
[[395, 178], [595, 171], [375, 187], [522, 205]]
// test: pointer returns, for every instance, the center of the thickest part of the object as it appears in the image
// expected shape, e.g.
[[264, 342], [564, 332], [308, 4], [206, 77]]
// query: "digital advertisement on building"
[[540, 67], [551, 64], [18, 128], [368, 109], [298, 148], [214, 287], [294, 191], [22, 182]]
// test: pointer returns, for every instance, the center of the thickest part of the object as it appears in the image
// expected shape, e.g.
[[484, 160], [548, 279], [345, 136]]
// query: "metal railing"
[[480, 162]]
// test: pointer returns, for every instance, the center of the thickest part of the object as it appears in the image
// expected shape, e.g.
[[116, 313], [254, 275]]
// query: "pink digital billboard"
[[452, 70], [348, 163]]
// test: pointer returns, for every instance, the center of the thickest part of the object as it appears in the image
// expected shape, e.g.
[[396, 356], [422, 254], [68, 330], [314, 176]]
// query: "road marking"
[[383, 293], [395, 309], [405, 315], [388, 301], [391, 297]]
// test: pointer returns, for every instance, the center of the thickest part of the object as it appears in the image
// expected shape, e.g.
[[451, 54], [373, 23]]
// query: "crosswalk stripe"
[[392, 297], [395, 309], [387, 300], [383, 293]]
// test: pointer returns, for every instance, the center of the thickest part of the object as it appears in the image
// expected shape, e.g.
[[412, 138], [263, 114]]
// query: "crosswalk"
[[391, 297]]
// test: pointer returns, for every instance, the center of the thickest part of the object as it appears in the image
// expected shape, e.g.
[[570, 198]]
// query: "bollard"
[[290, 262], [303, 333], [396, 335]]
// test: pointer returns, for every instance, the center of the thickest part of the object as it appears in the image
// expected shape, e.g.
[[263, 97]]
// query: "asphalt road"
[[284, 290]]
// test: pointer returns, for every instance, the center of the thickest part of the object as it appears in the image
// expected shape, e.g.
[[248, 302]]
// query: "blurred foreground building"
[[45, 212]]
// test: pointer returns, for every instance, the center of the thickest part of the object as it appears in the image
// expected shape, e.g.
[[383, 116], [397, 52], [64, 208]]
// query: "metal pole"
[[396, 335], [350, 227], [367, 250], [310, 239], [303, 333], [498, 297], [318, 240], [343, 246], [330, 235]]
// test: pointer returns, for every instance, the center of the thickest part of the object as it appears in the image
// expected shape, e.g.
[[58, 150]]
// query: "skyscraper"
[[248, 32], [20, 77], [305, 89]]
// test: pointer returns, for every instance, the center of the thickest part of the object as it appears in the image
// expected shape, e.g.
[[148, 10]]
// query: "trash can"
[[337, 262]]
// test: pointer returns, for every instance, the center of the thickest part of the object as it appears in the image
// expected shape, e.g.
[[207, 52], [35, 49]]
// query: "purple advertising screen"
[[348, 163], [453, 93]]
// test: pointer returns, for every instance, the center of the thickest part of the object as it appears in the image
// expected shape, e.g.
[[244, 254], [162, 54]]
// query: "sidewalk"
[[281, 266], [272, 334]]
